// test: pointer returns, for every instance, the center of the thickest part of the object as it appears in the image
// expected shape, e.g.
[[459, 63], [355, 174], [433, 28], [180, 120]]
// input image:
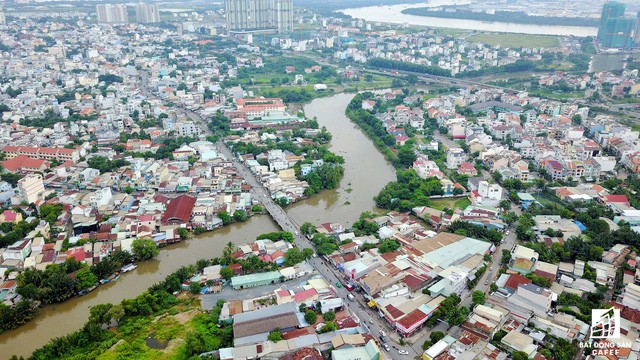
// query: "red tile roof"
[[516, 280], [412, 318], [23, 162], [179, 209], [616, 199]]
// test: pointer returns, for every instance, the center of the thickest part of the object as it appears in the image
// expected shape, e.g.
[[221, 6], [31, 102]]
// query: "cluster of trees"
[[365, 227], [388, 246], [518, 66], [14, 232], [94, 337], [290, 95], [405, 66], [58, 282], [103, 163], [475, 231], [325, 176], [324, 245], [295, 256], [219, 125], [277, 236], [450, 312], [50, 117], [13, 316], [583, 303], [50, 212], [109, 79], [372, 126], [408, 192]]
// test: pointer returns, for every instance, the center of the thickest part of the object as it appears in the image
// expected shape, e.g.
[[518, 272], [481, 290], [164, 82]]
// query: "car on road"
[[486, 282], [348, 287], [383, 333], [403, 352], [386, 347], [383, 339], [351, 297], [491, 268], [338, 284], [371, 320]]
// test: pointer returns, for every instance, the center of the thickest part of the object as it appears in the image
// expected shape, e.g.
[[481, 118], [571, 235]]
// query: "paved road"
[[448, 143]]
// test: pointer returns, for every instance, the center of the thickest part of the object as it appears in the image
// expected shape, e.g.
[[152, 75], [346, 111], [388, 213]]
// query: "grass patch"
[[347, 203], [348, 191], [515, 40], [546, 200], [459, 203]]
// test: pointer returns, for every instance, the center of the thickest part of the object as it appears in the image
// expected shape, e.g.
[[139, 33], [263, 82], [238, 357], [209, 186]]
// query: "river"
[[366, 172], [393, 14]]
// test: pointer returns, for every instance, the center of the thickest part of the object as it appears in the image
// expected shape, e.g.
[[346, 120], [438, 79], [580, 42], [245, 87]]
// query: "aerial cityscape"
[[298, 179]]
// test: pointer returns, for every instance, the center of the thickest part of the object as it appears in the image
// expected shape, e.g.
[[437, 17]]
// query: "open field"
[[515, 40], [457, 203]]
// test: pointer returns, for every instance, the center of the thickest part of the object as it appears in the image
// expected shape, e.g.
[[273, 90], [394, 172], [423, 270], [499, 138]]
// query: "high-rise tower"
[[112, 14], [615, 31], [147, 13], [248, 15]]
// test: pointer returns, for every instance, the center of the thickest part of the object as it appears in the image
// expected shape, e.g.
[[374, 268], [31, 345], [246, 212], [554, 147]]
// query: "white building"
[[487, 194], [631, 297], [101, 197], [186, 128], [31, 187], [455, 158]]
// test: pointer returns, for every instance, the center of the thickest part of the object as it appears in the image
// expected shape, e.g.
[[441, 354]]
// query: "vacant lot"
[[515, 40]]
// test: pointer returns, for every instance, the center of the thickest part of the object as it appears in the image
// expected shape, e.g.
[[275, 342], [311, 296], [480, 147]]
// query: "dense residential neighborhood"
[[506, 224]]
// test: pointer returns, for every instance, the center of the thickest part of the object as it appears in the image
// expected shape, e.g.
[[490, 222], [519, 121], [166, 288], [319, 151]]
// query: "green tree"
[[195, 287], [293, 256], [329, 316], [224, 216], [329, 326], [308, 229], [183, 233], [406, 156], [519, 355], [436, 336], [310, 317], [85, 278], [239, 216], [506, 257], [478, 297], [275, 335], [145, 249], [388, 246], [307, 253], [226, 273]]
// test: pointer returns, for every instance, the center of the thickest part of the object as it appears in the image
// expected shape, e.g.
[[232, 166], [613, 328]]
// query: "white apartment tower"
[[247, 15], [31, 187], [147, 13], [112, 14]]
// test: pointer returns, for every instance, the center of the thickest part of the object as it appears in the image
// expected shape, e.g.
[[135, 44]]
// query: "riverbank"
[[393, 14], [500, 16]]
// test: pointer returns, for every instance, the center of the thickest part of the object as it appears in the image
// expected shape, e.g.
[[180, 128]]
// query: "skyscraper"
[[147, 13], [247, 15], [112, 14], [615, 31]]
